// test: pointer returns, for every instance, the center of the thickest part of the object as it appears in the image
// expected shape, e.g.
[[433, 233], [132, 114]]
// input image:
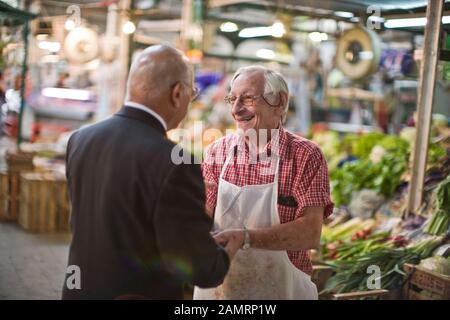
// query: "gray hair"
[[157, 68], [274, 82]]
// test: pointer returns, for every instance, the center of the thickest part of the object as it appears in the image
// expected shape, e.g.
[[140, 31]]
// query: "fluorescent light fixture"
[[69, 25], [318, 36], [128, 27], [276, 30], [62, 93], [265, 54], [49, 45], [255, 32], [41, 37], [411, 22], [344, 14], [228, 27]]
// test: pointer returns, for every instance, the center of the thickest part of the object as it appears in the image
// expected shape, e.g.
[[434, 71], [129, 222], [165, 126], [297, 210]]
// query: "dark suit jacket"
[[138, 220]]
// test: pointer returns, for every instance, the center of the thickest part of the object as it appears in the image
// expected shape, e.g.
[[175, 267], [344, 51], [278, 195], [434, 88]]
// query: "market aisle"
[[32, 266]]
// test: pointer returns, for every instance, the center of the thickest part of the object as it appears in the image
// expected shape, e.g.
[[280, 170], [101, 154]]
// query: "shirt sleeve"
[[312, 185], [210, 177]]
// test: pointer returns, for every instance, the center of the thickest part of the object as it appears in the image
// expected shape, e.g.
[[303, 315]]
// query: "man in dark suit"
[[138, 220]]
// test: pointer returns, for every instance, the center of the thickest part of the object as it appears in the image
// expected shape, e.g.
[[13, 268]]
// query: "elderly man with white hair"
[[138, 220], [270, 194]]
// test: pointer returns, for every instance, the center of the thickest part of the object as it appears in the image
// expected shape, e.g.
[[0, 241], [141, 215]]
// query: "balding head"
[[162, 79], [154, 71]]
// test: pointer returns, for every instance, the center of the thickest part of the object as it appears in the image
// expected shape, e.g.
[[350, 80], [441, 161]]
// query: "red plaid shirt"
[[303, 176]]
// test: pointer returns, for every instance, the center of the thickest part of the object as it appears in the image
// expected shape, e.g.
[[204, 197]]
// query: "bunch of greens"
[[359, 245], [352, 274], [383, 177], [363, 146], [435, 152], [440, 221]]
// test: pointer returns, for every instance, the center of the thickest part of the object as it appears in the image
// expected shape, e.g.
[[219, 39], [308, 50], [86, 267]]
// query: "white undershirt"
[[148, 110]]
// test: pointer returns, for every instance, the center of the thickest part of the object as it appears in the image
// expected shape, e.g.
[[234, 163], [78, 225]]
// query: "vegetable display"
[[440, 221], [352, 274]]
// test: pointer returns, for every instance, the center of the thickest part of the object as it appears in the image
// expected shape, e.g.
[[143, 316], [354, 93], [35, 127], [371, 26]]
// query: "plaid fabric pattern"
[[303, 176]]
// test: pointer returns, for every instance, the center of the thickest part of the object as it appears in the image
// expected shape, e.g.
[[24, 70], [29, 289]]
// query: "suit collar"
[[142, 116]]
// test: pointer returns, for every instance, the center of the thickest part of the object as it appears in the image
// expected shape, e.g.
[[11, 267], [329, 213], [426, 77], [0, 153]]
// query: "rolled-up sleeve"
[[312, 184], [210, 177]]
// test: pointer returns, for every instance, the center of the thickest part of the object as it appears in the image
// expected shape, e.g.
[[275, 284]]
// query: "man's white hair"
[[274, 83]]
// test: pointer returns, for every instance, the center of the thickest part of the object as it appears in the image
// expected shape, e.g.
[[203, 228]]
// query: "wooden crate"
[[422, 279], [43, 203], [14, 195], [320, 276], [9, 196], [4, 196], [63, 205]]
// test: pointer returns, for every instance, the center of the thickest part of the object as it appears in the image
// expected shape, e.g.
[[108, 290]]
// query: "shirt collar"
[[273, 144], [148, 110]]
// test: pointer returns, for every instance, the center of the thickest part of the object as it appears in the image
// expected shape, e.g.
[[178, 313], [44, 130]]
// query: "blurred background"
[[369, 82]]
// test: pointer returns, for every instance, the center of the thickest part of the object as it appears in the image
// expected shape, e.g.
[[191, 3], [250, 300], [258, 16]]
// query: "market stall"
[[390, 189], [369, 83]]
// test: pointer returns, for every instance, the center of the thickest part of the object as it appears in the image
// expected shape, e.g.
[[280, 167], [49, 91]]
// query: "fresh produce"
[[435, 152], [361, 242], [363, 146], [440, 221], [394, 143], [383, 177], [413, 222], [346, 230], [352, 274], [437, 264]]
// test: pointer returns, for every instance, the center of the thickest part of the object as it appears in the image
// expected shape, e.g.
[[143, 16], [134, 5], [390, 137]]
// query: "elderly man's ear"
[[282, 102], [176, 95]]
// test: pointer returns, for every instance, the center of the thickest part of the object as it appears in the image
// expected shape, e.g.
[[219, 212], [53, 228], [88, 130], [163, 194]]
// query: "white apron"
[[255, 274]]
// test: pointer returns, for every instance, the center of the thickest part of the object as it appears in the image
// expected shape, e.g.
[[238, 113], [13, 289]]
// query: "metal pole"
[[425, 103], [26, 31], [124, 47], [186, 21]]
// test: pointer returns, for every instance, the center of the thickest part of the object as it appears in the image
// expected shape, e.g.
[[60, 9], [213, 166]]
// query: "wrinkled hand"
[[232, 240]]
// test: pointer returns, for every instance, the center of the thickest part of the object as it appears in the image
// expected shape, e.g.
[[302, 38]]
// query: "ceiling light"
[[411, 22], [228, 27], [344, 14], [41, 37], [69, 25], [265, 54], [318, 36], [278, 29], [62, 93], [49, 45], [128, 27], [255, 32]]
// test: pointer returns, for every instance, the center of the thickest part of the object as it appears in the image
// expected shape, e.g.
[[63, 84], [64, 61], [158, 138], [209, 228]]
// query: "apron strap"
[[228, 158]]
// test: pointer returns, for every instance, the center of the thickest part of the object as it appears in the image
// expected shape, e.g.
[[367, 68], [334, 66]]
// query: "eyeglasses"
[[246, 100], [195, 92]]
